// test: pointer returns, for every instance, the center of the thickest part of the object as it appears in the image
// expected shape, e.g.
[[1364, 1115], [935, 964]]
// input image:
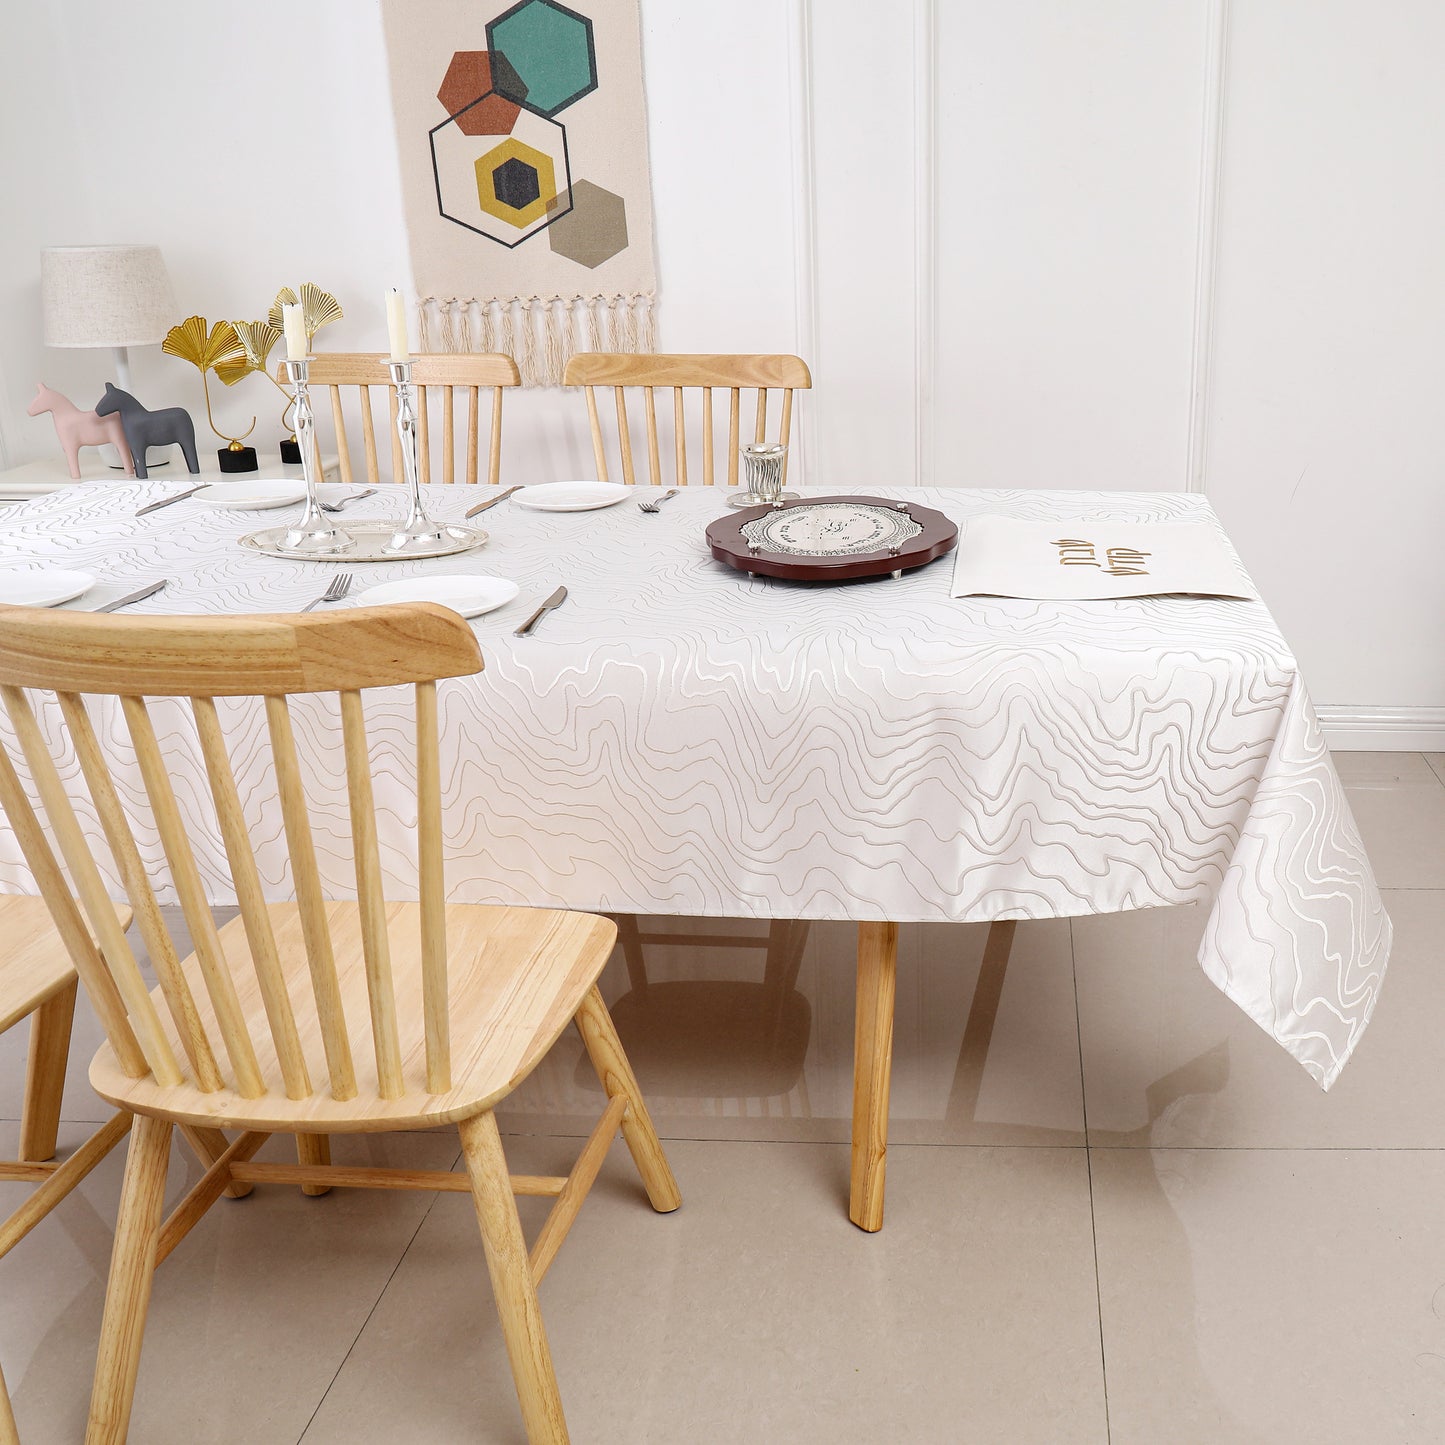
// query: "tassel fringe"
[[541, 333]]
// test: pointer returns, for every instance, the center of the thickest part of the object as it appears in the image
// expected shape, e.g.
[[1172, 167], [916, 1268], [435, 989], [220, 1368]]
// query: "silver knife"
[[555, 600], [166, 501], [139, 595], [491, 502]]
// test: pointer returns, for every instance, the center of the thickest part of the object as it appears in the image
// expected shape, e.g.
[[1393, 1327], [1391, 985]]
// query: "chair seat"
[[34, 963], [516, 977]]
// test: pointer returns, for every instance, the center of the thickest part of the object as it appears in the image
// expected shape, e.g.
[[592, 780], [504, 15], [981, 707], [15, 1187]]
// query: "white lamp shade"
[[105, 296]]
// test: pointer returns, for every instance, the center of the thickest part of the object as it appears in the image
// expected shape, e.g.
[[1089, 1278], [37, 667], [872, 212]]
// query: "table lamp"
[[115, 296]]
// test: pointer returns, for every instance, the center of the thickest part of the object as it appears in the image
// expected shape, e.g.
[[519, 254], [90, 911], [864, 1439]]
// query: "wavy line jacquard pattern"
[[679, 738]]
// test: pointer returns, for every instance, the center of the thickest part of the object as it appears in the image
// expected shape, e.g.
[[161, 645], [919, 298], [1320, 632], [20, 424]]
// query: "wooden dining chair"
[[441, 381], [317, 1016], [746, 381], [713, 378]]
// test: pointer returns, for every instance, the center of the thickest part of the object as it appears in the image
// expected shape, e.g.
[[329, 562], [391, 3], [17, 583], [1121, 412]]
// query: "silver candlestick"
[[314, 534], [418, 535]]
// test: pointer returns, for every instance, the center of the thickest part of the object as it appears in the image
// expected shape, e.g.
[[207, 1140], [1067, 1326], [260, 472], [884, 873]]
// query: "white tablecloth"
[[679, 738]]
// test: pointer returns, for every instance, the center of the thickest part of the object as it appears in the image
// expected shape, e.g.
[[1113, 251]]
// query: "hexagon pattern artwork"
[[549, 49], [479, 106], [516, 118], [596, 228]]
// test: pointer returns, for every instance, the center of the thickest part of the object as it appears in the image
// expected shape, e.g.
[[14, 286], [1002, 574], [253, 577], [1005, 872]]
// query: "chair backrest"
[[122, 662], [432, 374], [731, 374]]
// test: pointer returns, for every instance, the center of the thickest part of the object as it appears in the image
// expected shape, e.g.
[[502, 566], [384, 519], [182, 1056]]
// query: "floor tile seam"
[[1268, 1148], [375, 1305], [815, 1143]]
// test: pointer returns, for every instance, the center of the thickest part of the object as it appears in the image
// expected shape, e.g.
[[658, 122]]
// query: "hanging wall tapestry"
[[523, 141]]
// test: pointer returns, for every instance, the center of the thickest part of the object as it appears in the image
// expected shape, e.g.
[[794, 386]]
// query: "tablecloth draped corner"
[[1300, 837]]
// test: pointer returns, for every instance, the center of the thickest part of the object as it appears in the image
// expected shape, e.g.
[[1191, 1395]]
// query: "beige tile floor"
[[1116, 1212]]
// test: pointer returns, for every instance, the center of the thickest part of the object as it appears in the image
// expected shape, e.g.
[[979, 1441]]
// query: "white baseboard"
[[1383, 729]]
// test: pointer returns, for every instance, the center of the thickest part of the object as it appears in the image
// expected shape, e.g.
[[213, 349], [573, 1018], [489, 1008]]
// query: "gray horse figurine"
[[170, 426]]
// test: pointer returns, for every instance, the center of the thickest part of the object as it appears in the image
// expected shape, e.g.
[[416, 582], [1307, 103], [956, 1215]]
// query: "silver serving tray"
[[369, 541]]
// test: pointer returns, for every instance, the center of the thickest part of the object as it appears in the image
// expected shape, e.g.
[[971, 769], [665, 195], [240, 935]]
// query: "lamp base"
[[237, 459]]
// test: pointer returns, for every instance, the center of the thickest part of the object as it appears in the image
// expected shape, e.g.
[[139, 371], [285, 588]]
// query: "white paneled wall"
[[1122, 245], [1326, 440]]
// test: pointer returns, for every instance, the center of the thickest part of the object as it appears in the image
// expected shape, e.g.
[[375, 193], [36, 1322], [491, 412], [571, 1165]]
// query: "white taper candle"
[[295, 329], [396, 325]]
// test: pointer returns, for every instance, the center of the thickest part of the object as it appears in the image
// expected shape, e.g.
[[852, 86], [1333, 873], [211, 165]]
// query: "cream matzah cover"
[[1089, 561]]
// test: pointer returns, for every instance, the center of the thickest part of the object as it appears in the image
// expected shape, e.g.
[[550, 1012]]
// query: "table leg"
[[872, 1070]]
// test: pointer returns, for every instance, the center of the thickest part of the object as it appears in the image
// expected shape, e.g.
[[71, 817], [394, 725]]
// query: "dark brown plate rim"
[[939, 536]]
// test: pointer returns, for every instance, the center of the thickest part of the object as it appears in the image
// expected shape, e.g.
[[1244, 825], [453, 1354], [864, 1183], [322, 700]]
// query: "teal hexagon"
[[550, 49]]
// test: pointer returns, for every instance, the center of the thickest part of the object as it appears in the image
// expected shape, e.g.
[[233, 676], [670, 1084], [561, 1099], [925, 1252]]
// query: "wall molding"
[[803, 155], [1383, 729], [1206, 239], [925, 239]]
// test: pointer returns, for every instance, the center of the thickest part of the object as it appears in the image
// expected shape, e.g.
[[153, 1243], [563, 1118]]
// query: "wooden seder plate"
[[830, 539]]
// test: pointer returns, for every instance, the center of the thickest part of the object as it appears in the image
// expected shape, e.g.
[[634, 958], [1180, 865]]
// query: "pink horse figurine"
[[76, 428]]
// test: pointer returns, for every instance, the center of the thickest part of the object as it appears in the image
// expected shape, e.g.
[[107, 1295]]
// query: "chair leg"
[[787, 938], [128, 1290], [314, 1149], [872, 1070], [9, 1435], [45, 1075], [512, 1284], [629, 936], [604, 1048]]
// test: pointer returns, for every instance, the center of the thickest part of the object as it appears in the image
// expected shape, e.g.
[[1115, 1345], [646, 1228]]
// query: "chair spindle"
[[368, 437], [247, 882], [708, 477], [376, 947], [654, 466], [338, 421], [449, 441], [194, 904], [306, 877], [679, 428], [142, 897], [432, 891]]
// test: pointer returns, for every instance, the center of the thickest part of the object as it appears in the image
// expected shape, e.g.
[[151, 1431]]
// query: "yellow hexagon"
[[526, 156]]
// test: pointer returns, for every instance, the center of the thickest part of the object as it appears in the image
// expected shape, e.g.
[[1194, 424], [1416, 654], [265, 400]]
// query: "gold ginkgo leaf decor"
[[205, 350], [318, 308], [208, 348], [256, 339]]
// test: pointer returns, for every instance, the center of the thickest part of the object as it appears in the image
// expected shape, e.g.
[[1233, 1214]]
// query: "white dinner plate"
[[471, 596], [571, 496], [41, 587], [251, 496]]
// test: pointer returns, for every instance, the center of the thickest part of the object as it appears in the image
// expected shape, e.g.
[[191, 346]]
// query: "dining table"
[[680, 738]]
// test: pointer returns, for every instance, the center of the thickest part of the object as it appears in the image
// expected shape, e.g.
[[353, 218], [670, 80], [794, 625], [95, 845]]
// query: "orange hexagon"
[[469, 92]]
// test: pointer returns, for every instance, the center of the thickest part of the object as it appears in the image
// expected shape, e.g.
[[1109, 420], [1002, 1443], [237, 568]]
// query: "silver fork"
[[345, 501], [340, 586], [651, 506]]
